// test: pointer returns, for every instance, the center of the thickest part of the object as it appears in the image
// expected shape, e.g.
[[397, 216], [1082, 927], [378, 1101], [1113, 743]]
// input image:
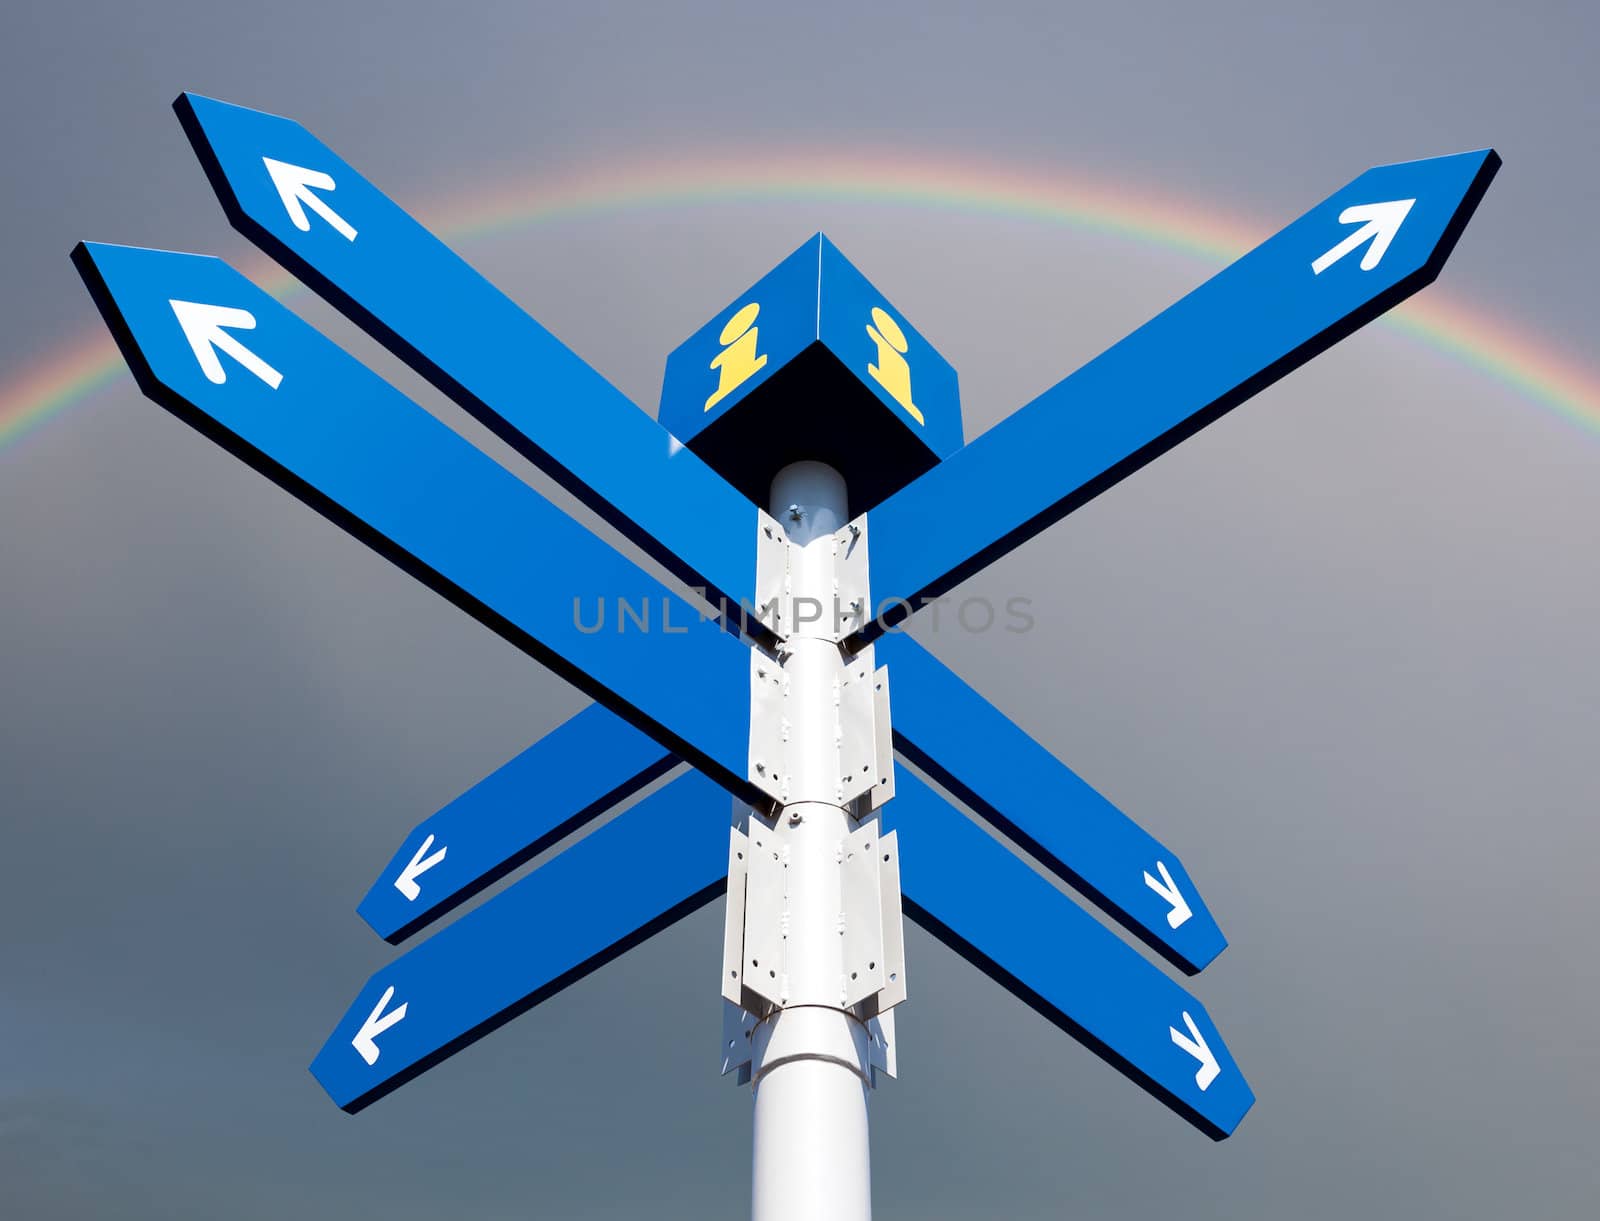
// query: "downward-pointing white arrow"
[[1194, 1043], [378, 1021], [294, 184], [1168, 890], [203, 328], [1383, 222], [406, 883]]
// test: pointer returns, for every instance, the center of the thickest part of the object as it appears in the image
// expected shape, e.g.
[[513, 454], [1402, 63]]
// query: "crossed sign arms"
[[972, 749], [325, 428], [349, 445], [212, 348], [667, 856]]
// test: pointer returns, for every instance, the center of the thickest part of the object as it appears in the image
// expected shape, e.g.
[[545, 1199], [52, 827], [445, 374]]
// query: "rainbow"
[[1504, 352]]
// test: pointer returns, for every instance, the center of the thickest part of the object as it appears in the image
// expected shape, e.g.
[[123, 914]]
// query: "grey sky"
[[1338, 650]]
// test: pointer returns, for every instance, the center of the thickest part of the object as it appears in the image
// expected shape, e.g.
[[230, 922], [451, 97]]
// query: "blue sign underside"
[[971, 748], [977, 897], [572, 775], [211, 347], [311, 211], [644, 870], [1291, 298]]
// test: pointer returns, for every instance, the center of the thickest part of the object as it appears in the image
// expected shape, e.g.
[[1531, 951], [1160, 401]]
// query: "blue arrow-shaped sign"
[[218, 352], [650, 866], [965, 888], [968, 745], [296, 199], [573, 774], [1361, 251]]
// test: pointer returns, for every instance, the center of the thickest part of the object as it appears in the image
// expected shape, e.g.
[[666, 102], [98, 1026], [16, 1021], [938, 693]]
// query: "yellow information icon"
[[892, 371], [738, 361]]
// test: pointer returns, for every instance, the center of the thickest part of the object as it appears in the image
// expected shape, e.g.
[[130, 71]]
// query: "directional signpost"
[[809, 434]]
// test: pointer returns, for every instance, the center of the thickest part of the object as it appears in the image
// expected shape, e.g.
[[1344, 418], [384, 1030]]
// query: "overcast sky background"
[[1338, 651]]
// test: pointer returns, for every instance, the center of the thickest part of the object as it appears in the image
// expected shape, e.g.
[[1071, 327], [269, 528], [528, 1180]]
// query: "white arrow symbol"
[[203, 328], [1168, 890], [378, 1021], [295, 183], [1194, 1043], [1383, 222], [406, 883]]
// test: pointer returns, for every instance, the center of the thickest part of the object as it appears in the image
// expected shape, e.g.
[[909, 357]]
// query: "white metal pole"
[[811, 1065]]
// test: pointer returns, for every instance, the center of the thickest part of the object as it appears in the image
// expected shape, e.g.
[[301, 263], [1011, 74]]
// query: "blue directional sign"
[[573, 774], [969, 746], [965, 888], [223, 355], [295, 198], [1360, 252], [219, 353], [647, 868]]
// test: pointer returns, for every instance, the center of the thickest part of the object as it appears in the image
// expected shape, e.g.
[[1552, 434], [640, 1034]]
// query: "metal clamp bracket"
[[755, 933]]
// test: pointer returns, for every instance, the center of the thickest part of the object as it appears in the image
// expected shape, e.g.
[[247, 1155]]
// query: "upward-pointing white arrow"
[[378, 1021], [1194, 1043], [1383, 222], [406, 883], [203, 328], [1168, 890], [295, 184]]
